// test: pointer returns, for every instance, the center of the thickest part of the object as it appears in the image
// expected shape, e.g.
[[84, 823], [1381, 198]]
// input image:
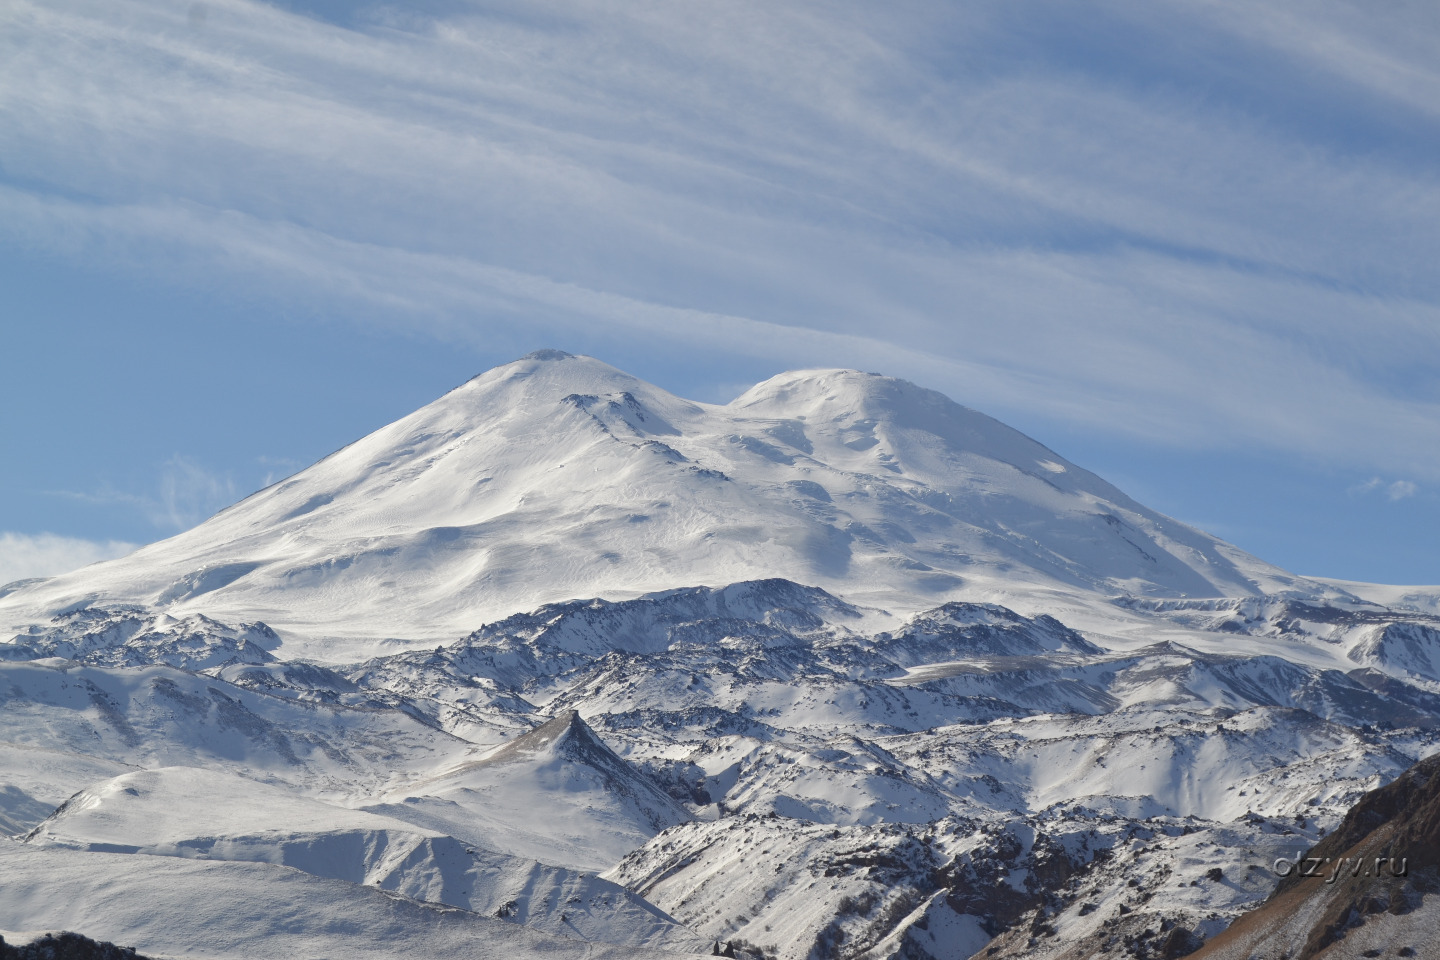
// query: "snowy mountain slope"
[[159, 716], [1179, 889], [814, 891], [1366, 888], [1178, 751], [958, 661], [1236, 785], [1403, 643], [1167, 674], [200, 814], [558, 476], [738, 671], [557, 794], [34, 780], [710, 654], [655, 622], [1404, 599], [837, 670], [760, 702], [1163, 762], [196, 908]]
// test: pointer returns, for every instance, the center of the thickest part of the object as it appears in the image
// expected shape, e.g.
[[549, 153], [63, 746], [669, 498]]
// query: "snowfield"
[[562, 664]]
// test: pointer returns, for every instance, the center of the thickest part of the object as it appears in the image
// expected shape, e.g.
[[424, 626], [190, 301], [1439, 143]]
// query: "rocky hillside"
[[1369, 889]]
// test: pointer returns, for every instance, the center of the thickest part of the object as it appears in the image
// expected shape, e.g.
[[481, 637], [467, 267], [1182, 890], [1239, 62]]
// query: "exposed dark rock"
[[66, 946]]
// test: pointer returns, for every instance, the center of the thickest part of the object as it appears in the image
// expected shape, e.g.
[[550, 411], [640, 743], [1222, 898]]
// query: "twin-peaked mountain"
[[840, 670], [558, 476]]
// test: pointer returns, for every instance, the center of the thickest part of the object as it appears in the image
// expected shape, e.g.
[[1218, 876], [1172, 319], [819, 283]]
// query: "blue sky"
[[1191, 246]]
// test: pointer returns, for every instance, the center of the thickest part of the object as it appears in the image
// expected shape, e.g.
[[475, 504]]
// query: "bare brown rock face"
[[1367, 890]]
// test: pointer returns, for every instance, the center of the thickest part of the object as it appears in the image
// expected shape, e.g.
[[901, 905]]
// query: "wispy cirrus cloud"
[[1401, 489], [1392, 489], [184, 493], [1204, 223]]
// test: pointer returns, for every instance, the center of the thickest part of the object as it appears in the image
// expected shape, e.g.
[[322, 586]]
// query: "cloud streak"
[[25, 556], [1393, 490], [1008, 210], [186, 492]]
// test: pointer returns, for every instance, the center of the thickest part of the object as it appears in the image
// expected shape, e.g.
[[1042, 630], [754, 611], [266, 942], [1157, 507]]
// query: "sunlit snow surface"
[[563, 663], [558, 477]]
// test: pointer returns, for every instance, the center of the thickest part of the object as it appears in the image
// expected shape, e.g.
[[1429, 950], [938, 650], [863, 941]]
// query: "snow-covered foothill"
[[202, 814], [179, 907], [556, 794]]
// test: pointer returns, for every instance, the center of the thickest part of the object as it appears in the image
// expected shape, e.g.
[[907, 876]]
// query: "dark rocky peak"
[[621, 414], [548, 354], [568, 737], [1404, 816]]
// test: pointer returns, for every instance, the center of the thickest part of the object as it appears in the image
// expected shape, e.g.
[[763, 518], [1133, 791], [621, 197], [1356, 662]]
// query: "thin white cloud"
[[278, 468], [1393, 489], [1401, 489], [815, 184], [1377, 47], [189, 493], [185, 493], [24, 556], [1138, 325]]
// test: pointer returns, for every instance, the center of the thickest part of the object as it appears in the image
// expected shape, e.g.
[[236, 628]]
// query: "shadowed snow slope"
[[197, 908], [558, 476], [556, 794], [207, 815]]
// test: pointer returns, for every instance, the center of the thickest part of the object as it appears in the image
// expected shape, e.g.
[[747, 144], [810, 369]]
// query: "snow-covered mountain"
[[558, 477], [562, 663]]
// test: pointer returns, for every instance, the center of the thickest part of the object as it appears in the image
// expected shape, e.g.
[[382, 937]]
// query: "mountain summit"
[[558, 476], [838, 669]]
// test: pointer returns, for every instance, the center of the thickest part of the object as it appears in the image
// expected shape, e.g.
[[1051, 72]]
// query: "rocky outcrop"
[[66, 946], [1368, 889]]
